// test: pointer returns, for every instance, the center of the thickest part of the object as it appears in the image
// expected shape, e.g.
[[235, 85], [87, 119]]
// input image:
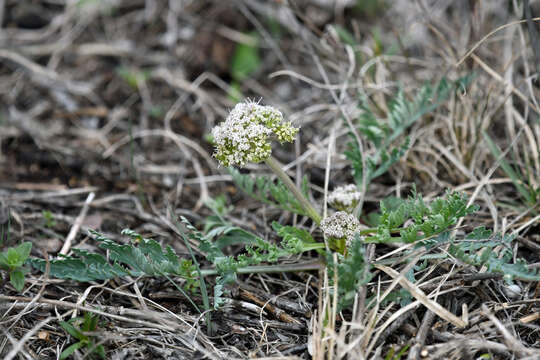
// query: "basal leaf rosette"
[[340, 228], [344, 198], [246, 135]]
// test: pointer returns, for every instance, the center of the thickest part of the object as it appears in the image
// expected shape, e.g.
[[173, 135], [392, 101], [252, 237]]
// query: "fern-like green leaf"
[[478, 249], [220, 233], [426, 221], [148, 258], [382, 133], [268, 191]]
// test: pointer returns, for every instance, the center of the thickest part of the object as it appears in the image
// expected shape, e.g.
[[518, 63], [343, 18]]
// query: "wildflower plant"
[[245, 137]]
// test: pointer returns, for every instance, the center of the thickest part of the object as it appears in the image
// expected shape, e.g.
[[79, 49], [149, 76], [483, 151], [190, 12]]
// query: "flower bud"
[[344, 198], [340, 228]]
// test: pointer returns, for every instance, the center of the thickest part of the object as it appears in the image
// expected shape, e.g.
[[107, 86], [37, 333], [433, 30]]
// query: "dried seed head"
[[340, 226], [344, 198], [245, 135]]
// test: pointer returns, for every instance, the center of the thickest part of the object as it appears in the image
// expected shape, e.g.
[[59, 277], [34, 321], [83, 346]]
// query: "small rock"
[[512, 291]]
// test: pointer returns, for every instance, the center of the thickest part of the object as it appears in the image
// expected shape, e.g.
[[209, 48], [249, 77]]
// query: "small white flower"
[[340, 226], [344, 198], [245, 135]]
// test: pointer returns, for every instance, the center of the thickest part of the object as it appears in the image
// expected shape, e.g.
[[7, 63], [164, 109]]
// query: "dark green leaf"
[[100, 351], [148, 258], [72, 330]]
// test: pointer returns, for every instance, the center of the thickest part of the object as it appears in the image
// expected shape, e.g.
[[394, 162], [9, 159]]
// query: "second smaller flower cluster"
[[340, 228]]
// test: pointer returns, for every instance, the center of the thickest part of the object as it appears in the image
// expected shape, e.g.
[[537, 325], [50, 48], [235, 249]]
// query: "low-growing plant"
[[392, 355], [142, 257], [48, 219], [12, 260], [245, 137], [79, 328]]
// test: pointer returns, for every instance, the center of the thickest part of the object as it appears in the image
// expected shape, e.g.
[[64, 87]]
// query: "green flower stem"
[[368, 231], [305, 266], [275, 166], [374, 230]]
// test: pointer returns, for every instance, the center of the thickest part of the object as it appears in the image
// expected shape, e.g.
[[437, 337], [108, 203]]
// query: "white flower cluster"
[[341, 226], [245, 135], [344, 198]]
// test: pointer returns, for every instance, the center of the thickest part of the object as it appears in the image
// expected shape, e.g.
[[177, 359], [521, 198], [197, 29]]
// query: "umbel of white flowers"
[[344, 198], [246, 134], [340, 226]]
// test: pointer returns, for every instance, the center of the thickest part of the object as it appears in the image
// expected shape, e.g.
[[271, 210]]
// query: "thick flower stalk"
[[245, 137], [340, 229], [344, 198]]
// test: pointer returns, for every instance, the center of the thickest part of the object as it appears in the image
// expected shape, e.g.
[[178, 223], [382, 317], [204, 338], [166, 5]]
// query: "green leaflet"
[[78, 328], [295, 240], [257, 250], [14, 257], [226, 266]]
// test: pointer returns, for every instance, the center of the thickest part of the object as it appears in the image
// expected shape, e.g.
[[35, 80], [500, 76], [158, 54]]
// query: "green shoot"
[[48, 217], [202, 283], [245, 60], [12, 261], [78, 328], [392, 355], [133, 77]]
